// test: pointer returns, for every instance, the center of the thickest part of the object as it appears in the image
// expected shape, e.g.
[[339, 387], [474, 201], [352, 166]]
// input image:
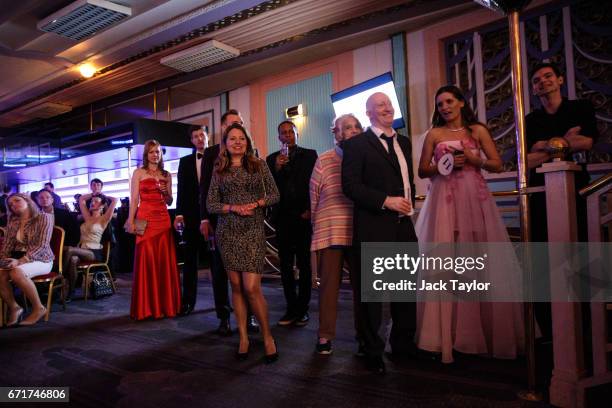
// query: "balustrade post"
[[566, 317]]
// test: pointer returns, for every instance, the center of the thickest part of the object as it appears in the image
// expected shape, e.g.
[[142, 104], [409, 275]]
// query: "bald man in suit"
[[377, 175]]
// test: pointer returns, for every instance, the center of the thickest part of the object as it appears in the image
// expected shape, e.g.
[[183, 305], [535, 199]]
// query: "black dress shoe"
[[224, 328], [302, 320], [428, 356], [376, 365], [361, 353], [252, 325], [400, 357], [186, 310]]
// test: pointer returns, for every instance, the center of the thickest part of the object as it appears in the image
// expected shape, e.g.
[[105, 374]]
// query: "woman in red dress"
[[156, 290]]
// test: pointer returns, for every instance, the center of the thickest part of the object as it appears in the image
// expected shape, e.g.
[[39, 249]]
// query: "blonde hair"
[[34, 210], [148, 145]]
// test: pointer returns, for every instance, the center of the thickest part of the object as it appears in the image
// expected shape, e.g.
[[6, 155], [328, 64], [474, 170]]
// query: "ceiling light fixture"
[[41, 156], [87, 70]]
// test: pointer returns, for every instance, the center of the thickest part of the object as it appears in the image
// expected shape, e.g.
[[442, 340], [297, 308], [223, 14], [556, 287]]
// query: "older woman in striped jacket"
[[332, 224], [26, 253]]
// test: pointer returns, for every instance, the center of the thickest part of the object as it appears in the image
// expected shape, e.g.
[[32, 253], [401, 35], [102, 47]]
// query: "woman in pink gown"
[[156, 289], [459, 208]]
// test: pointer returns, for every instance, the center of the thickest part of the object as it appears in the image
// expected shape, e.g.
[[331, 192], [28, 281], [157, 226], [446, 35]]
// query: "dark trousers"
[[194, 241], [220, 285], [403, 314], [293, 238]]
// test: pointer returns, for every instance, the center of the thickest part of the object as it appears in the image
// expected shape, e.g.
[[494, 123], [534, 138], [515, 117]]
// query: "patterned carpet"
[[109, 360]]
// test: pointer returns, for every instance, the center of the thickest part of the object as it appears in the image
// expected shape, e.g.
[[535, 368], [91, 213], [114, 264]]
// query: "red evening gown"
[[156, 290]]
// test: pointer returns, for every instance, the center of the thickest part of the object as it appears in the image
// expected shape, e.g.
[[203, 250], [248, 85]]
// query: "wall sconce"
[[295, 111]]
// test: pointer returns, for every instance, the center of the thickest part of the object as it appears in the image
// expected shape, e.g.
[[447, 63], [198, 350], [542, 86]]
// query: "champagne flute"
[[161, 185], [285, 150]]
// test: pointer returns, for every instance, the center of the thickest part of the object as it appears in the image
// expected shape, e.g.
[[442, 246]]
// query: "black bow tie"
[[199, 156]]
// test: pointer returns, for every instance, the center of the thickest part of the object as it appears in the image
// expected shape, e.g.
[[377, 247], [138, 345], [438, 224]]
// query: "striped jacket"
[[331, 210], [37, 236]]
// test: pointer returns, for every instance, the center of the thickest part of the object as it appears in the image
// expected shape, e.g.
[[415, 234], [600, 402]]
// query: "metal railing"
[[599, 215]]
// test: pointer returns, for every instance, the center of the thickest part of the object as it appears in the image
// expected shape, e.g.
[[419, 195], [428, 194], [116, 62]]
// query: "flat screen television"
[[353, 99]]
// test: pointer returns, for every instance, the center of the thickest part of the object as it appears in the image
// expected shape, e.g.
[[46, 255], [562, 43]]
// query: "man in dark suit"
[[377, 175], [188, 216], [57, 201], [62, 217], [208, 223], [292, 169]]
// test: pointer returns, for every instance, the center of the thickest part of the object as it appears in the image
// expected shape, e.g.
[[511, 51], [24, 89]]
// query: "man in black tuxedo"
[[188, 215], [292, 170], [189, 178], [208, 223], [377, 175]]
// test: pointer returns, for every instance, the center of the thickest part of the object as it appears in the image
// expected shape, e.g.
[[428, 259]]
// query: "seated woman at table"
[[26, 253], [96, 219]]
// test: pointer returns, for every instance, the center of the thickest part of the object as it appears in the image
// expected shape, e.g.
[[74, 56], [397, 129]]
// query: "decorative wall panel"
[[575, 35]]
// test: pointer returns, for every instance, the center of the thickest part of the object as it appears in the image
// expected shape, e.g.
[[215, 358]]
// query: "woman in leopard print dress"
[[241, 187]]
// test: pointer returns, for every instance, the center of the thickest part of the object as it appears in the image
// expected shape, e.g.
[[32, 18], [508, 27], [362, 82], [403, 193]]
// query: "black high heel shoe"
[[241, 356], [271, 358]]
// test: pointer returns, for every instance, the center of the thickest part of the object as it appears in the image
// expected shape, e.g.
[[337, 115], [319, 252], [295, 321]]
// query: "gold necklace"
[[153, 173], [456, 130]]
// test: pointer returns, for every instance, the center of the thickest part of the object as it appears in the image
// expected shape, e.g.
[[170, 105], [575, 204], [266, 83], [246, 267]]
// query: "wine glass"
[[180, 228], [161, 185], [285, 150]]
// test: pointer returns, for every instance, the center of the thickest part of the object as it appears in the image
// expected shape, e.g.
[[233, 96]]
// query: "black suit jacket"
[[188, 193], [67, 220], [368, 177], [293, 181], [208, 165]]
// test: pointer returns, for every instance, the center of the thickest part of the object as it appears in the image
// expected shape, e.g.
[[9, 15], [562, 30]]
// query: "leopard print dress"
[[241, 240]]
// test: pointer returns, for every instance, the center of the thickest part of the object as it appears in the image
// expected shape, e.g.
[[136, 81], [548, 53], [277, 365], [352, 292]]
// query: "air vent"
[[84, 18], [200, 56], [46, 110]]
